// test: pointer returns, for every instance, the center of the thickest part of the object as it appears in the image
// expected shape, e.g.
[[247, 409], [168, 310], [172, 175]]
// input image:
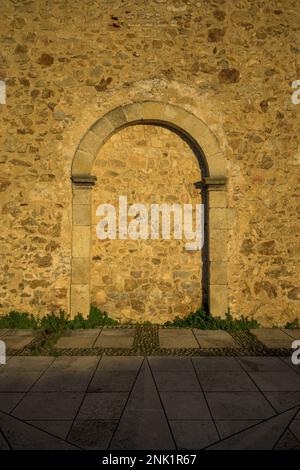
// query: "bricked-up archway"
[[203, 141]]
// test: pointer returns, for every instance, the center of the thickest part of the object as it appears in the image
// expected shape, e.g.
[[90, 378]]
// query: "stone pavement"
[[167, 338], [155, 402]]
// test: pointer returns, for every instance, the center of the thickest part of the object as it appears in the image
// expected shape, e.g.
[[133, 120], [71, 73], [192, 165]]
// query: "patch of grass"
[[203, 320], [95, 319], [54, 323], [293, 324], [21, 320]]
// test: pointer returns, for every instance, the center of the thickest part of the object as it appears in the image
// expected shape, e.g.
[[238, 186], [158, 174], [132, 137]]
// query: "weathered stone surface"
[[229, 65]]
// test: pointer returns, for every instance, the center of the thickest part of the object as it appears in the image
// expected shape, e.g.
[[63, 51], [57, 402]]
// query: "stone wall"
[[230, 63], [145, 279]]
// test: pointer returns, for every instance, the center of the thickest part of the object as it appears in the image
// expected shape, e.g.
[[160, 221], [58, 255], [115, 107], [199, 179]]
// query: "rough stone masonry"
[[230, 64]]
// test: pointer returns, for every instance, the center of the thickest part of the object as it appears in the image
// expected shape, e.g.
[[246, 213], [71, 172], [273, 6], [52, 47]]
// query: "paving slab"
[[226, 380], [214, 339], [143, 424], [179, 381], [23, 436], [69, 374], [263, 436], [144, 396], [295, 428], [283, 401], [3, 443], [194, 434], [170, 363], [272, 337], [257, 364], [288, 361], [177, 338], [115, 338], [92, 434], [121, 362], [81, 338], [185, 405], [227, 428], [216, 363], [19, 364], [8, 401], [238, 405], [18, 339], [105, 405], [112, 381], [116, 373], [58, 428], [288, 442], [46, 406], [292, 332], [278, 381], [21, 373]]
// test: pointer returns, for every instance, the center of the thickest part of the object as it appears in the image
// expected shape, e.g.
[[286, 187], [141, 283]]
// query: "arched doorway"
[[206, 148]]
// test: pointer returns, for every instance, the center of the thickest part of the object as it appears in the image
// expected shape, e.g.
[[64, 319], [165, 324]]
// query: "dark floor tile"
[[8, 401], [146, 430], [287, 381], [238, 405], [194, 434], [123, 363], [295, 428], [185, 405], [216, 363], [163, 363], [18, 381], [92, 434], [181, 381], [222, 381], [144, 396], [227, 428], [23, 436], [45, 406], [258, 364], [68, 374], [283, 401], [263, 436], [288, 442], [3, 443], [106, 380], [104, 405], [58, 428]]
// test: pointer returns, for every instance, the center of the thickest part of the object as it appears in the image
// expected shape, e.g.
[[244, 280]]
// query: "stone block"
[[117, 118], [81, 241], [81, 195], [83, 162], [102, 128], [217, 218], [217, 198], [218, 272], [214, 339], [81, 338], [218, 245], [177, 338], [273, 337], [80, 299], [115, 338], [81, 214], [90, 143], [218, 300], [80, 270]]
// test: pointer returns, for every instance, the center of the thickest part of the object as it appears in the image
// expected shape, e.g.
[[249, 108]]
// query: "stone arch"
[[205, 143]]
